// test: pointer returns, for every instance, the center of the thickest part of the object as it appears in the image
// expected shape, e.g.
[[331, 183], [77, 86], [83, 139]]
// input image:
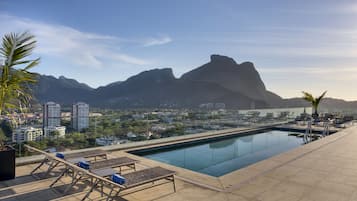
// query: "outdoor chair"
[[76, 175], [118, 183], [70, 157], [99, 178]]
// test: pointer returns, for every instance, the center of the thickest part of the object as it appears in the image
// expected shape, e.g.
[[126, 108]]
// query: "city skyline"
[[294, 46]]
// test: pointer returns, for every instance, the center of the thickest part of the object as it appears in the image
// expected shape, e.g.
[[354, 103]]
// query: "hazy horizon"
[[294, 46]]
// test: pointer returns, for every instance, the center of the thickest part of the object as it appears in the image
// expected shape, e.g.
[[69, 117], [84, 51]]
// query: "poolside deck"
[[324, 170], [315, 128]]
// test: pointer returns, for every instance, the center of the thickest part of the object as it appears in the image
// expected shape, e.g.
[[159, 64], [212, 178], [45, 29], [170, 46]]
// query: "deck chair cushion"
[[118, 179], [84, 165], [60, 155]]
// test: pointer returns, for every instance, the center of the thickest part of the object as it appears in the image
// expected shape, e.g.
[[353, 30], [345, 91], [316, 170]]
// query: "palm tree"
[[15, 78], [314, 102]]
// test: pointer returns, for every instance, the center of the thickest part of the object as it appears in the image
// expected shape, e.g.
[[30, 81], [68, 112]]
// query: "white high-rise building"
[[51, 115], [80, 116]]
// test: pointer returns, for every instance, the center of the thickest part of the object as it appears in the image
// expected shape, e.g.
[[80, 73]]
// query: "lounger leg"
[[173, 180], [110, 193], [75, 179], [52, 166], [116, 194], [59, 177], [91, 189], [51, 163], [40, 165], [110, 196]]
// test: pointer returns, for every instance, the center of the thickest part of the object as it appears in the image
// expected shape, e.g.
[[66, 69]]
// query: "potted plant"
[[15, 80], [314, 103], [7, 157]]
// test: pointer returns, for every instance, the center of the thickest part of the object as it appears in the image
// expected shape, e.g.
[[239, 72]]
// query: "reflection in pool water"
[[224, 156]]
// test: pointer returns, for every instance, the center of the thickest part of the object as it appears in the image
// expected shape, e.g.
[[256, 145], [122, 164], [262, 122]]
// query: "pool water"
[[221, 156]]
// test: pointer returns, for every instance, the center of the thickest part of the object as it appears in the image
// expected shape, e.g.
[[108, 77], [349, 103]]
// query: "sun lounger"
[[71, 157], [87, 154], [132, 180], [95, 166], [114, 163]]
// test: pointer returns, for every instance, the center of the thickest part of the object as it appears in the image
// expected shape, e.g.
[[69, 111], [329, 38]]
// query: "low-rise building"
[[138, 116], [220, 105], [131, 135], [60, 130], [25, 134]]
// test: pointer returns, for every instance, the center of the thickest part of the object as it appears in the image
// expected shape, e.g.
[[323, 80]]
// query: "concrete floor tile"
[[326, 195]]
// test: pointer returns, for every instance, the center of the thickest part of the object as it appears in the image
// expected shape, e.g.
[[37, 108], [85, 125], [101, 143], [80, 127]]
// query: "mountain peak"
[[163, 72], [157, 75], [224, 71], [221, 59], [247, 64]]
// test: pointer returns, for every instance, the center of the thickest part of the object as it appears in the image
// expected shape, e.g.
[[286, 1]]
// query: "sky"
[[295, 45]]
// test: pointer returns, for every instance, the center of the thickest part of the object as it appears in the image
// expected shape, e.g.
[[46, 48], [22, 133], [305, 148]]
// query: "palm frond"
[[15, 78], [16, 47], [314, 101], [32, 64], [318, 99], [308, 97]]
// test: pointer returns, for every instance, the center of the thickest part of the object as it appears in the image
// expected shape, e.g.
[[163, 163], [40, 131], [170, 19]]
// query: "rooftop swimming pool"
[[219, 156]]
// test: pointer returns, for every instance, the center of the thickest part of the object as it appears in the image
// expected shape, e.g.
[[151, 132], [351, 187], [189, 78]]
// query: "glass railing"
[[175, 127]]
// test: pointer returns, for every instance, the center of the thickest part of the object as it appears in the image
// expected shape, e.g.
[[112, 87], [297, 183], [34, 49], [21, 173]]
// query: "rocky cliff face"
[[62, 90], [224, 71]]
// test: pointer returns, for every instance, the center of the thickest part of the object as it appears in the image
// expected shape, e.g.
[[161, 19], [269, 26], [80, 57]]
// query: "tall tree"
[[315, 101], [15, 77]]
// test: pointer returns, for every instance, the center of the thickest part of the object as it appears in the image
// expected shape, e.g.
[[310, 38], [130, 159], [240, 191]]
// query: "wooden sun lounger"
[[87, 154], [133, 180], [104, 164], [142, 177], [71, 157], [114, 163]]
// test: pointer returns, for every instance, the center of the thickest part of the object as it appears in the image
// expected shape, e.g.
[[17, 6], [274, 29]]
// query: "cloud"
[[347, 8], [299, 42], [310, 70], [337, 73], [157, 41], [81, 48], [327, 8], [350, 8]]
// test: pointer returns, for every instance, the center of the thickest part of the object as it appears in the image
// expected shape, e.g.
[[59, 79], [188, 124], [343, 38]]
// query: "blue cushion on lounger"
[[60, 155], [118, 179], [84, 165]]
